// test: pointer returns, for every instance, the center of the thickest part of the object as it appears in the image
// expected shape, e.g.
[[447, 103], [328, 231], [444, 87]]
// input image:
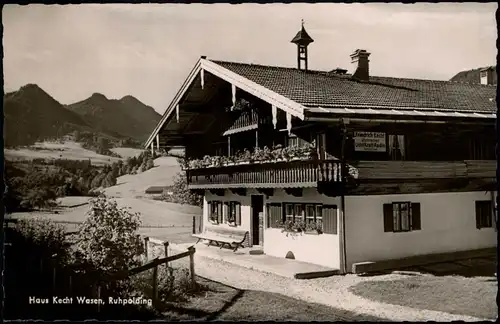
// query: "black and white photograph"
[[250, 162]]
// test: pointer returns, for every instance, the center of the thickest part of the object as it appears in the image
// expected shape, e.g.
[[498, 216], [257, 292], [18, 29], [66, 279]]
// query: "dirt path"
[[331, 291]]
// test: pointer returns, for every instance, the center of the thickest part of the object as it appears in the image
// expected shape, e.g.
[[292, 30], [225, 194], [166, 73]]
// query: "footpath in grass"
[[451, 294], [217, 301]]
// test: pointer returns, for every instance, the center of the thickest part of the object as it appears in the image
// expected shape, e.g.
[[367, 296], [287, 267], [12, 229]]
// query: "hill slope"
[[31, 114], [127, 116]]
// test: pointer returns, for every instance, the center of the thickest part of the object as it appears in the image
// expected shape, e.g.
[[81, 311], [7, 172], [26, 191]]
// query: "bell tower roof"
[[302, 37]]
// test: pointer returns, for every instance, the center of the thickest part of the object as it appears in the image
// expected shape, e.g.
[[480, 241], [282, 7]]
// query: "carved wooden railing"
[[298, 173]]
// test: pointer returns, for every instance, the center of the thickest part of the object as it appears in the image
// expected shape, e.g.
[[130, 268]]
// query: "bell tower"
[[302, 40]]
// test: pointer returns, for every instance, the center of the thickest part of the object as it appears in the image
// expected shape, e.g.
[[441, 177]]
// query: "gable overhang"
[[394, 114], [287, 105]]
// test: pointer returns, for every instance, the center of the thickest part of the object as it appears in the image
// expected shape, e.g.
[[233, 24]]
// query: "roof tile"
[[324, 89]]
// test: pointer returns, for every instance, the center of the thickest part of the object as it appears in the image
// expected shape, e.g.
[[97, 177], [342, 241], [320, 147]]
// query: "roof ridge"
[[327, 73]]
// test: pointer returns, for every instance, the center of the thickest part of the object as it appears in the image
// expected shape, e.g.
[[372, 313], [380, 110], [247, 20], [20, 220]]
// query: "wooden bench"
[[233, 238]]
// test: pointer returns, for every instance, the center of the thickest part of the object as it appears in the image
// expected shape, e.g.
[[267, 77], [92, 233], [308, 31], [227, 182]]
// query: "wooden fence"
[[97, 280], [154, 264]]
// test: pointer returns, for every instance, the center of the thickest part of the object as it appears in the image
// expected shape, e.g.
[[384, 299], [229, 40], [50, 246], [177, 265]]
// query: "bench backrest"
[[236, 234]]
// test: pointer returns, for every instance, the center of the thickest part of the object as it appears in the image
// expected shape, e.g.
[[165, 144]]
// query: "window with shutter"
[[238, 213], [415, 217], [388, 218], [274, 215], [225, 212], [329, 213], [401, 217], [484, 214]]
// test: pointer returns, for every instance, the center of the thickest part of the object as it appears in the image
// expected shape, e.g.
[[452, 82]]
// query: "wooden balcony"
[[292, 174], [406, 170]]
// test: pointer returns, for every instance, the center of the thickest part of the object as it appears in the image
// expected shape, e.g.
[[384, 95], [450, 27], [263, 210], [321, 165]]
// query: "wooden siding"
[[266, 175], [425, 170]]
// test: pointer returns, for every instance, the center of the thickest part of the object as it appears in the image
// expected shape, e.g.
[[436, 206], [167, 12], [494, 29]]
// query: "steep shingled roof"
[[324, 89]]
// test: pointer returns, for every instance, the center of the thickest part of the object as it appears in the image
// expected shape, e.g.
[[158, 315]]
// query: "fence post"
[[165, 245], [146, 247], [155, 284], [194, 224], [53, 276], [191, 263], [98, 298]]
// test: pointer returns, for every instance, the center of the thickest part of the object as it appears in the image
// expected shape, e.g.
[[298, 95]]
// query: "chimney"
[[362, 67], [488, 75]]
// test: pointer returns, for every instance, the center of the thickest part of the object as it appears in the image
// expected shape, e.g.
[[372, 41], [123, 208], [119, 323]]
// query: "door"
[[257, 220]]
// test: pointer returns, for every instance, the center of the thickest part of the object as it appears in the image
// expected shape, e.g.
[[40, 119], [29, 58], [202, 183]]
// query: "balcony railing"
[[289, 174]]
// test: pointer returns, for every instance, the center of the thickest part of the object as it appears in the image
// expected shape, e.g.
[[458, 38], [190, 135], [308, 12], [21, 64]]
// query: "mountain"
[[31, 114], [126, 116]]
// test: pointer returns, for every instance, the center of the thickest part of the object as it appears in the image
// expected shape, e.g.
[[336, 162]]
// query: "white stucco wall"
[[320, 249], [229, 196], [448, 224]]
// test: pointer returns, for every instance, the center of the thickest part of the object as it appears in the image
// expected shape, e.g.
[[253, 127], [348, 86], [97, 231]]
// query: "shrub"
[[107, 239], [174, 284], [149, 164], [45, 237]]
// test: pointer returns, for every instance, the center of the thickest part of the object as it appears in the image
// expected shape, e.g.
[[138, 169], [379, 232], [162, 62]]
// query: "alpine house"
[[333, 168]]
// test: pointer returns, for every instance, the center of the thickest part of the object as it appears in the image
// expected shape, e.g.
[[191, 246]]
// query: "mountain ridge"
[[32, 114]]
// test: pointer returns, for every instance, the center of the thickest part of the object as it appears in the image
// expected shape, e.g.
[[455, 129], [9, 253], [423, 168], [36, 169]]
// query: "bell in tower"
[[302, 40]]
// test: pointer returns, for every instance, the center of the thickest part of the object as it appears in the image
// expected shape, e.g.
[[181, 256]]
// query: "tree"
[[109, 180], [181, 194], [125, 169], [39, 197], [97, 181]]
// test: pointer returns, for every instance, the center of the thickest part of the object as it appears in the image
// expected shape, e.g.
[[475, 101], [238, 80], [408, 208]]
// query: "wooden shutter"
[[478, 215], [415, 217], [237, 207], [330, 219], [274, 214], [219, 212], [225, 212], [388, 218]]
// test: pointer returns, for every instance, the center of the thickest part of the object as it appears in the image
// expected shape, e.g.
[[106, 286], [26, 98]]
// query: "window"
[[324, 215], [310, 214], [235, 213], [401, 217], [289, 212], [292, 140], [299, 213], [484, 214], [216, 212], [396, 147]]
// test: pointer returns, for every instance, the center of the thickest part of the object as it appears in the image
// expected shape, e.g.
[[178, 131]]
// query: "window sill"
[[313, 233]]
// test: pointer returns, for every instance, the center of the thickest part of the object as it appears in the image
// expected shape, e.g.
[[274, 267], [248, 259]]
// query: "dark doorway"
[[257, 220]]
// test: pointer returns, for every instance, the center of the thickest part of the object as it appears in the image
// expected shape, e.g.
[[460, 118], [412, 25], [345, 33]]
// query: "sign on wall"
[[369, 142]]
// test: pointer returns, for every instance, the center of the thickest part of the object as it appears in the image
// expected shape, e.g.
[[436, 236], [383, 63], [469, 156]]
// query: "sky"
[[147, 50]]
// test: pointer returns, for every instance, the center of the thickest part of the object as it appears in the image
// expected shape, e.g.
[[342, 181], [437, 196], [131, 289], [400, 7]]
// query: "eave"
[[289, 106]]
